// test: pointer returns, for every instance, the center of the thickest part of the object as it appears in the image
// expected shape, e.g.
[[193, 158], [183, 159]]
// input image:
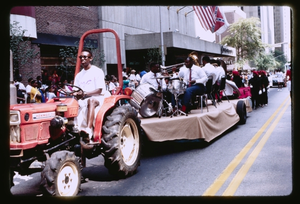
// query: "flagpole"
[[161, 40]]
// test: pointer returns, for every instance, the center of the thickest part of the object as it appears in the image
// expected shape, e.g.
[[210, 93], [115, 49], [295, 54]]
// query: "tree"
[[153, 55], [245, 36], [280, 58], [69, 58], [265, 61], [20, 47]]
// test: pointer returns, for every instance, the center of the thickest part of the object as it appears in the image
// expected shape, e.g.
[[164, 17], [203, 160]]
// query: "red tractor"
[[45, 133]]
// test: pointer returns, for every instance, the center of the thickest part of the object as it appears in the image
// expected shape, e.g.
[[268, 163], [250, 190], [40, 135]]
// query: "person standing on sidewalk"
[[288, 78], [279, 76], [265, 84]]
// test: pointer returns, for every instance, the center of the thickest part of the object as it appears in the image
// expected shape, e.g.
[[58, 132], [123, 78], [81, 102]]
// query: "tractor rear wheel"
[[121, 141], [62, 174]]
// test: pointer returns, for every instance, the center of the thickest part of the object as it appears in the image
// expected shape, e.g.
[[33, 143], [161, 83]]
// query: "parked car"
[[273, 82]]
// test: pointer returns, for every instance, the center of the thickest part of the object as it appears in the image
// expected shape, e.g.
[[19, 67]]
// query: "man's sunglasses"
[[84, 57]]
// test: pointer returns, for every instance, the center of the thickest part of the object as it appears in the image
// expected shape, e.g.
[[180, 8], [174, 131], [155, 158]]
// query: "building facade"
[[58, 27], [282, 26], [140, 28], [23, 19], [276, 26]]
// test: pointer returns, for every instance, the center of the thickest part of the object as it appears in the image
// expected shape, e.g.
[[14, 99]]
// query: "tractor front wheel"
[[62, 174]]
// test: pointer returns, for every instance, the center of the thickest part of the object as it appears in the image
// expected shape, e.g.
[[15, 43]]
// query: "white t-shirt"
[[50, 95], [138, 77], [210, 71], [111, 86], [219, 72], [150, 78], [91, 79], [28, 88], [21, 86], [132, 77], [279, 76]]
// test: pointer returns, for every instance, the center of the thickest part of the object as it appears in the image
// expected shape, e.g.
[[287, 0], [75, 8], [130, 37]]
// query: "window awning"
[[175, 40], [59, 40]]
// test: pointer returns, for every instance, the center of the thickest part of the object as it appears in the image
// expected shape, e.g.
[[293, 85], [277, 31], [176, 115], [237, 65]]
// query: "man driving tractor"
[[91, 80]]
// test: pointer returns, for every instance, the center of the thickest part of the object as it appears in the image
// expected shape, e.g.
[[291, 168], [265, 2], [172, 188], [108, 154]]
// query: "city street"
[[254, 159]]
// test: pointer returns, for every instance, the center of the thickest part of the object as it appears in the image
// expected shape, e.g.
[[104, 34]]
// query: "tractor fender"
[[108, 103]]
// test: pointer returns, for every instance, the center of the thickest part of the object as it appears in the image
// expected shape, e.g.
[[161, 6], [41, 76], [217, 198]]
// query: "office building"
[[140, 28]]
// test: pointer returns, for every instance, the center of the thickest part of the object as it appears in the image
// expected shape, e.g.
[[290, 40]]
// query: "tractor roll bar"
[[81, 44]]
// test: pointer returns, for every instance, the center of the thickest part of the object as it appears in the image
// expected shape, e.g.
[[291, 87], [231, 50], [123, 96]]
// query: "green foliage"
[[265, 61], [67, 66], [270, 61], [68, 55], [245, 36], [153, 55], [280, 58], [19, 44]]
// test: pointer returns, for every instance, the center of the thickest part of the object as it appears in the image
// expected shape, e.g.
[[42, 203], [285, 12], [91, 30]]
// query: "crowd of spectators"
[[259, 82], [41, 89], [48, 86]]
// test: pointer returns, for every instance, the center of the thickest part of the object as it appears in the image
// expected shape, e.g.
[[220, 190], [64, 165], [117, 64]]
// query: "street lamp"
[[161, 39]]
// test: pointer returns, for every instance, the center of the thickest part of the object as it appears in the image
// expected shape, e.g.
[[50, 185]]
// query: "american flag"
[[211, 18]]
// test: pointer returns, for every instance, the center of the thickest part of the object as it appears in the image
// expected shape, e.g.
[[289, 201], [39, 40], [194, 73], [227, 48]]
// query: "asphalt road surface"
[[254, 159]]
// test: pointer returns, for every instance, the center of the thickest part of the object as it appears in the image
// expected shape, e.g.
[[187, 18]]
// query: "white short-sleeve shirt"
[[91, 79]]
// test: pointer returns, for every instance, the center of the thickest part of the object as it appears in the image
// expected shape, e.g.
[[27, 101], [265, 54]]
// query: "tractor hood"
[[37, 112]]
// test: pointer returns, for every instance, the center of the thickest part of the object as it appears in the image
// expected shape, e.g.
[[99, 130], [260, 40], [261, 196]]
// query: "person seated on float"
[[153, 78], [196, 78], [209, 69]]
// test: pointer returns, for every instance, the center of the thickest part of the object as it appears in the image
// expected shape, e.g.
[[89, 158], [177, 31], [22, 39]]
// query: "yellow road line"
[[217, 184], [236, 181]]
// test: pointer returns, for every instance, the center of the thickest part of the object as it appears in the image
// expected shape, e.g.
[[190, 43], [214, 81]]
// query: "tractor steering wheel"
[[77, 90]]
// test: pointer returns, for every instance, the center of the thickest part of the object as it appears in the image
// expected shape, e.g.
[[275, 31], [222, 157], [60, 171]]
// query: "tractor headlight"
[[14, 118], [14, 121]]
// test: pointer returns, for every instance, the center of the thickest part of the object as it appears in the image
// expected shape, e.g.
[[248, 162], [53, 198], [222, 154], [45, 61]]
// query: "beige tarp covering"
[[206, 125]]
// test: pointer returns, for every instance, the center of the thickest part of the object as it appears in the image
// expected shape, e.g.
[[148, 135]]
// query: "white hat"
[[44, 86]]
